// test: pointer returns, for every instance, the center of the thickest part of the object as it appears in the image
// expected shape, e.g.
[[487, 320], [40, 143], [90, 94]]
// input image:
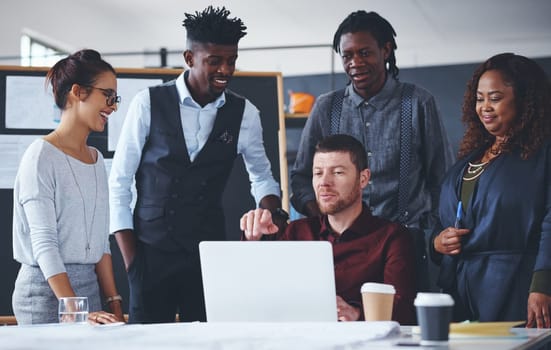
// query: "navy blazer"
[[510, 221]]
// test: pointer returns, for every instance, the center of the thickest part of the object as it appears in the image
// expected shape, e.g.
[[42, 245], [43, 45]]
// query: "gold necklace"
[[475, 170], [87, 229]]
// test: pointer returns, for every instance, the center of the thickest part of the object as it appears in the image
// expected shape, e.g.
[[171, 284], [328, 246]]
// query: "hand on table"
[[102, 317], [539, 306], [346, 312]]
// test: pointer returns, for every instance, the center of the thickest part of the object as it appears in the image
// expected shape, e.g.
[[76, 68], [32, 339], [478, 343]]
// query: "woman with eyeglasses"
[[60, 225]]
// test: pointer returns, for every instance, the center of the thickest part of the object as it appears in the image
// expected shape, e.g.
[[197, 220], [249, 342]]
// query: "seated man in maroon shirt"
[[366, 248]]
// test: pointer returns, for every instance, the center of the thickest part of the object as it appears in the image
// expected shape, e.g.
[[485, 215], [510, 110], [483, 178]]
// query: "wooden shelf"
[[296, 115]]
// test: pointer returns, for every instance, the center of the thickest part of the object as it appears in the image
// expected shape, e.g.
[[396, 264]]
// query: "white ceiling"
[[430, 32]]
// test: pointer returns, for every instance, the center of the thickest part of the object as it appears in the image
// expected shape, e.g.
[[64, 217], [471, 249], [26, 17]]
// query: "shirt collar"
[[378, 101], [358, 227], [187, 99]]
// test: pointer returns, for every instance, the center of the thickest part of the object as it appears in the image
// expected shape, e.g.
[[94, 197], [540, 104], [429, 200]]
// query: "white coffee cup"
[[378, 301]]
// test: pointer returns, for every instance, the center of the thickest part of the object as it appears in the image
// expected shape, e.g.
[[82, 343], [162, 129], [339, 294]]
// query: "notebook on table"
[[267, 281]]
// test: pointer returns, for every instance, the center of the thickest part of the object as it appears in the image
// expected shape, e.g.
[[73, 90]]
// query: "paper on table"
[[479, 329], [483, 329]]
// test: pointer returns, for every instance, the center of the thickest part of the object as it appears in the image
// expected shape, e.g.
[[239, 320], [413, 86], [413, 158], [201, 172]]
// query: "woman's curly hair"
[[532, 93]]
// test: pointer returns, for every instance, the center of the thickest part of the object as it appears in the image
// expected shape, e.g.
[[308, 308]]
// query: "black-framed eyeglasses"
[[111, 95]]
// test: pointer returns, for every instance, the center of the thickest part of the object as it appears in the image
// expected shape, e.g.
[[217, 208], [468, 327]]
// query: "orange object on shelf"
[[300, 102]]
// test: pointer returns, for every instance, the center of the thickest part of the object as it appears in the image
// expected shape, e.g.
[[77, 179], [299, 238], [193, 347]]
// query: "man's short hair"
[[212, 25], [347, 144]]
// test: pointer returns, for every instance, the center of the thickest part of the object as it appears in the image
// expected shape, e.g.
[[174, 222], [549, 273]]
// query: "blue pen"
[[458, 215]]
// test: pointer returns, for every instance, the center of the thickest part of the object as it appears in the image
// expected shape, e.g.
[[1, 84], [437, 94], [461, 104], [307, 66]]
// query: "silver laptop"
[[267, 281]]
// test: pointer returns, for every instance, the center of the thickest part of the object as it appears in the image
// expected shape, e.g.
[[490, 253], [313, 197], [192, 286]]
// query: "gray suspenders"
[[336, 107], [405, 151]]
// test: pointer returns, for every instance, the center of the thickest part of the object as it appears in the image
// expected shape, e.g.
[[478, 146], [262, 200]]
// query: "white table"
[[522, 340], [244, 336]]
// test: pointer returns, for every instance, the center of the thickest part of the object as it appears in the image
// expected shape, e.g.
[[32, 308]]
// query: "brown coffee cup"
[[377, 300]]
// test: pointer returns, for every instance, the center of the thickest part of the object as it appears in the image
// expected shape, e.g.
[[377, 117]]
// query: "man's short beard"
[[342, 203]]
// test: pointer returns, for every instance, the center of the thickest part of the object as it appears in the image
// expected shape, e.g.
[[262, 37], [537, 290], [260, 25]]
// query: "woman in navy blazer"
[[495, 249]]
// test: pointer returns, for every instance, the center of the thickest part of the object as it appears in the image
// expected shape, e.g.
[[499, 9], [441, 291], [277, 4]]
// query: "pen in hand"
[[458, 215]]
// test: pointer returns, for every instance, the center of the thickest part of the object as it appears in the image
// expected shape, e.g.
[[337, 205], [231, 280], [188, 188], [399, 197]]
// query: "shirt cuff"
[[120, 219], [260, 191], [541, 282]]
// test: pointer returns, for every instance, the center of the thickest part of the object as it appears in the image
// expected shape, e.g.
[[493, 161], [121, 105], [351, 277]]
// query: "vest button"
[[171, 211], [169, 228], [200, 198], [174, 195]]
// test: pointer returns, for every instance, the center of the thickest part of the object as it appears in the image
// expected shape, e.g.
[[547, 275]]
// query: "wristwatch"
[[279, 213]]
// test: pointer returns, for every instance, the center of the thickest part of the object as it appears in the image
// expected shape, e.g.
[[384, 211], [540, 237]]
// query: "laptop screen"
[[268, 281]]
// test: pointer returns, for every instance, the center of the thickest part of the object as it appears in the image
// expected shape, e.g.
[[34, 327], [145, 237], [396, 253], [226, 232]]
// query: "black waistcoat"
[[179, 201]]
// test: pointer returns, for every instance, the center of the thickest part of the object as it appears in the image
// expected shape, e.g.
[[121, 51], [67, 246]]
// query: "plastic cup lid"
[[378, 288], [433, 299]]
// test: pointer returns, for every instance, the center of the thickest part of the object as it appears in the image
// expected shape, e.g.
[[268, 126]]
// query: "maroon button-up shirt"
[[371, 250]]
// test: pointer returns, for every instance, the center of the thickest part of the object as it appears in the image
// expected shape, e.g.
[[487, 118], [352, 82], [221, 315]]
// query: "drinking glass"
[[73, 310]]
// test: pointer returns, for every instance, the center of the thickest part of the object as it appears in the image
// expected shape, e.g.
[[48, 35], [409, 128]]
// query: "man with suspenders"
[[398, 123]]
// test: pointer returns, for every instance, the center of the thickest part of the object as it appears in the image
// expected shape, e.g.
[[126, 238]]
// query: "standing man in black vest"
[[398, 124], [179, 142]]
